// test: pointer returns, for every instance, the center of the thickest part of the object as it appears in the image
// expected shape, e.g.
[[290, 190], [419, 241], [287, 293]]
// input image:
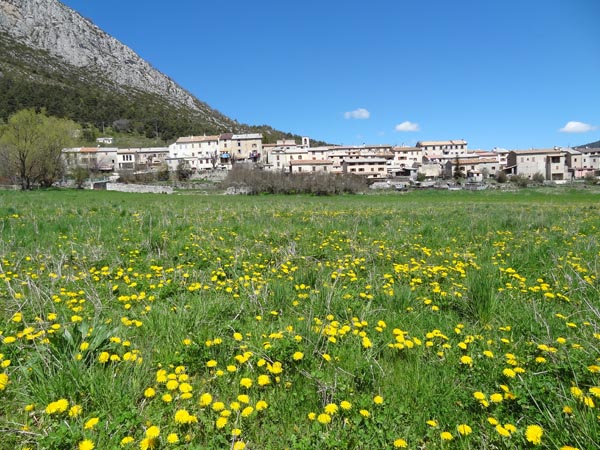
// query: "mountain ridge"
[[52, 57]]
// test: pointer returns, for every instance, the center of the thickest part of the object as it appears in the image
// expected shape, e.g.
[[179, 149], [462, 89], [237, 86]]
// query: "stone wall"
[[140, 188]]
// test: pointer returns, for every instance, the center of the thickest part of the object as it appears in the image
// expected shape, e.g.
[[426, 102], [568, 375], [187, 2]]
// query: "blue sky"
[[513, 74]]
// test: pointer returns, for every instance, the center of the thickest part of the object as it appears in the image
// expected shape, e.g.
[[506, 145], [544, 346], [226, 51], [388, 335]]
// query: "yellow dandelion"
[[86, 444], [153, 432], [75, 410], [533, 434], [90, 424], [205, 399], [149, 392], [324, 418], [400, 443], [261, 404], [3, 381], [239, 445], [263, 380], [446, 436], [464, 429], [331, 408], [126, 441], [221, 422]]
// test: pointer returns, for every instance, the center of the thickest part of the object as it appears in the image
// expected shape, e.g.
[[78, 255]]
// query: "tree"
[[80, 174], [183, 171], [31, 144], [458, 172]]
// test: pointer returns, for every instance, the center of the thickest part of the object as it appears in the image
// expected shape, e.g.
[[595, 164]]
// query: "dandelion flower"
[[149, 393], [221, 422], [126, 440], [509, 373], [446, 436], [261, 404], [345, 405], [263, 380], [365, 413], [533, 434], [205, 399], [239, 445], [297, 356], [324, 418], [496, 398], [153, 432], [172, 438], [246, 382], [86, 444], [218, 406], [75, 410], [378, 400], [182, 417], [331, 408], [3, 381], [479, 395], [466, 360], [400, 443], [59, 406], [90, 424], [464, 429], [502, 431]]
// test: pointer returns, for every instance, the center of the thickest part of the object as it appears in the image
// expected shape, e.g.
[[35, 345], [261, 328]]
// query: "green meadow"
[[426, 320]]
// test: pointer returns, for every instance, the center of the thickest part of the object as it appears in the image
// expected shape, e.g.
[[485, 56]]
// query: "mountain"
[[590, 145], [52, 57]]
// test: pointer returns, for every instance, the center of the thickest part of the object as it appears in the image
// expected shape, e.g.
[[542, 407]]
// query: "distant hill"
[[590, 145], [52, 57]]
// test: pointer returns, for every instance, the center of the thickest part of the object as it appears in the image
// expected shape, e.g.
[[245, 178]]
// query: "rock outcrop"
[[52, 26]]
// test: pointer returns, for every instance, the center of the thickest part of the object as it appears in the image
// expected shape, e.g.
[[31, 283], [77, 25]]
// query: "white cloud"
[[360, 113], [577, 127], [407, 126]]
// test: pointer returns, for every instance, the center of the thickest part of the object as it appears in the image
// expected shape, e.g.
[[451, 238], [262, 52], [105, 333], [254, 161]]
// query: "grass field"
[[427, 320]]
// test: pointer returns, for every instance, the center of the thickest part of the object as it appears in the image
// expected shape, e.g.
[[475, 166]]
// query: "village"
[[426, 161]]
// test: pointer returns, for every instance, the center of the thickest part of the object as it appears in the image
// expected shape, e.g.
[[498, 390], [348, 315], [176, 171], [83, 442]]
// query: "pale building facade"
[[551, 163], [443, 150], [197, 152]]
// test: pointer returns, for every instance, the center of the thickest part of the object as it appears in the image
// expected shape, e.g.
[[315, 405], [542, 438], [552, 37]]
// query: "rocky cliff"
[[52, 26]]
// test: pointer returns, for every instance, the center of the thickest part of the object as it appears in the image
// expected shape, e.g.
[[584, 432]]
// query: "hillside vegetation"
[[31, 78]]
